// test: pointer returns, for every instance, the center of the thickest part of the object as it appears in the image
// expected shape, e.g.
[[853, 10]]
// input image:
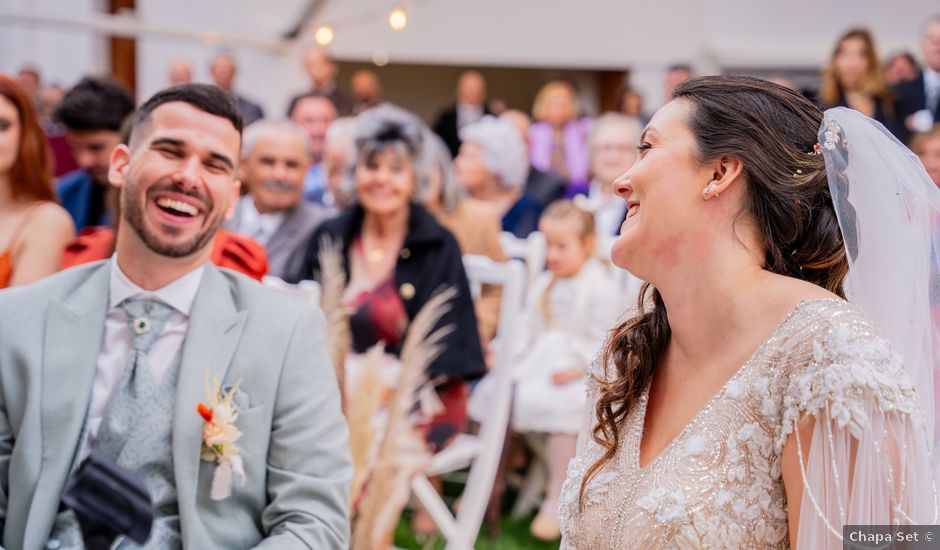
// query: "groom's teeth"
[[633, 210], [179, 206]]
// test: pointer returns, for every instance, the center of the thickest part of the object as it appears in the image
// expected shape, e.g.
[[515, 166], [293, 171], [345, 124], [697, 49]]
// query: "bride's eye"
[[643, 147]]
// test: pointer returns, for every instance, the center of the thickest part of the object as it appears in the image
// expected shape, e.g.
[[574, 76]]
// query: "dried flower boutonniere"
[[218, 439]]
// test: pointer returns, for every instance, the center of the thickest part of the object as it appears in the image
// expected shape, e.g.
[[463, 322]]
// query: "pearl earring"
[[709, 189]]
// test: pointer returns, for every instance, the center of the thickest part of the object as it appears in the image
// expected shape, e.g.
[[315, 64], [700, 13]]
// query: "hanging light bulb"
[[324, 35], [397, 19], [380, 58]]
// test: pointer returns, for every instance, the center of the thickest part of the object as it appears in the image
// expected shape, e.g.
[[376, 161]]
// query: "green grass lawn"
[[514, 534]]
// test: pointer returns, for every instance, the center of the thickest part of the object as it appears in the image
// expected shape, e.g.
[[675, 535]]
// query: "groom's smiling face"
[[178, 178]]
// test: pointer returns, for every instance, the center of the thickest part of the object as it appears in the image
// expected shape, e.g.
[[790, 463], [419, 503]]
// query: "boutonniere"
[[219, 435]]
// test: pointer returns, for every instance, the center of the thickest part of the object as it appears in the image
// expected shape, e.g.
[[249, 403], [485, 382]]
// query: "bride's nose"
[[622, 187]]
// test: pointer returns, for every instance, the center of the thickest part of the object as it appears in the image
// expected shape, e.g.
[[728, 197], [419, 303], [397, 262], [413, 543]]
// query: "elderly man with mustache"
[[274, 162]]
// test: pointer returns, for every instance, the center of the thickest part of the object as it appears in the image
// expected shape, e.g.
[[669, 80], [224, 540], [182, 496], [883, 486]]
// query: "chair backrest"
[[530, 250], [308, 291], [511, 276]]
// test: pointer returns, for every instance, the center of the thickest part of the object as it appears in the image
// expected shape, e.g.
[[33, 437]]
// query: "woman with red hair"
[[34, 230]]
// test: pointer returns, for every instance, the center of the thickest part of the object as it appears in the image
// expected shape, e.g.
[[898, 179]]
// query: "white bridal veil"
[[879, 471]]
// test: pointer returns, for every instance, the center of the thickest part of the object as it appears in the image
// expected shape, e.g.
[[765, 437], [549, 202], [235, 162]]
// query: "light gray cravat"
[[146, 319]]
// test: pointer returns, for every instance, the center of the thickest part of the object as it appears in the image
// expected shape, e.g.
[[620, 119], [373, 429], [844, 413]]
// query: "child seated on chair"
[[569, 310]]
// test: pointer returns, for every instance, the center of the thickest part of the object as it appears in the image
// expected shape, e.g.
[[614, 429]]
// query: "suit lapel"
[[71, 344], [215, 326]]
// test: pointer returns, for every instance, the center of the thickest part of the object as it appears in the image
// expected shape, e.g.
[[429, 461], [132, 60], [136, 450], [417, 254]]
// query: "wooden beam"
[[124, 50]]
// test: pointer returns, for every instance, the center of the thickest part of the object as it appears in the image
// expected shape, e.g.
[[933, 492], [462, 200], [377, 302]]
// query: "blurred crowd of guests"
[[405, 200]]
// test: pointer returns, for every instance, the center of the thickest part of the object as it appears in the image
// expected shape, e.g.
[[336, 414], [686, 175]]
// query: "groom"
[[117, 356]]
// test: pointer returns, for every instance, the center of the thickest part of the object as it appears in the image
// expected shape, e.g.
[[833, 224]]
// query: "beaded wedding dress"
[[718, 484]]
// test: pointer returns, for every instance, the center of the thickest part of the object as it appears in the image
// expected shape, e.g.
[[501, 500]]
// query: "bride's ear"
[[726, 170]]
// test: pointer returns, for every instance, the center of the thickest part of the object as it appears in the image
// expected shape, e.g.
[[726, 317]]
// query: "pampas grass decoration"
[[332, 285], [360, 417], [402, 452]]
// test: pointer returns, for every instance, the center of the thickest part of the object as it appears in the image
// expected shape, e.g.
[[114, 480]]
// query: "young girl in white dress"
[[569, 309]]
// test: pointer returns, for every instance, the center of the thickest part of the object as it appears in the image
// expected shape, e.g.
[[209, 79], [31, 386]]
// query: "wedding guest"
[[558, 140], [30, 80], [631, 105], [919, 99], [474, 223], [900, 68], [92, 112], [544, 187], [675, 75], [612, 148], [180, 72], [338, 152], [223, 70], [34, 230], [314, 112], [366, 89], [469, 108], [396, 257], [854, 78], [273, 212], [116, 357], [568, 310], [492, 168], [927, 147]]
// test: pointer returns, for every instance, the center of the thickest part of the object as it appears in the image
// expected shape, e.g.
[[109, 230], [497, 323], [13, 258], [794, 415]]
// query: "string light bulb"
[[397, 19], [324, 35]]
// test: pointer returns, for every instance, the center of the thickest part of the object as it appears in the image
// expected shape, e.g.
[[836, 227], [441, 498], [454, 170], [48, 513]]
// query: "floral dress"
[[718, 484]]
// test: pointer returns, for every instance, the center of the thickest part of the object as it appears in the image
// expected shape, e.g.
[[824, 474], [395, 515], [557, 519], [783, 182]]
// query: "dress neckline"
[[644, 397]]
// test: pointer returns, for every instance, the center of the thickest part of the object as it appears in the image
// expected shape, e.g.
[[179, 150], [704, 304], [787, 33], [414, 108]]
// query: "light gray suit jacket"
[[294, 442], [288, 245]]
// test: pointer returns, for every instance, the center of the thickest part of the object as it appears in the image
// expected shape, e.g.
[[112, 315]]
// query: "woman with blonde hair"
[[855, 78], [559, 138]]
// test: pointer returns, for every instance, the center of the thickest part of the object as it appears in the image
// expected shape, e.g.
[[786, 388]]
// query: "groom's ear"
[[119, 163]]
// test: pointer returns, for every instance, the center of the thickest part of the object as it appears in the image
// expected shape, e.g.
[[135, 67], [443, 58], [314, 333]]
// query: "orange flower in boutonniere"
[[219, 435]]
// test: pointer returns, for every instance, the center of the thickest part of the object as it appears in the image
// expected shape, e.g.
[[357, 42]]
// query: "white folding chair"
[[531, 250], [481, 453], [308, 291]]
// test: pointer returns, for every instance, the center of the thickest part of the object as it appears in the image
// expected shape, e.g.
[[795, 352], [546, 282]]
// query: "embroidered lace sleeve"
[[868, 461]]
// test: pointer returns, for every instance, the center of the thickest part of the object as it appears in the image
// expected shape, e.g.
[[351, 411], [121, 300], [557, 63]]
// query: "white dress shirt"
[[117, 346], [258, 226]]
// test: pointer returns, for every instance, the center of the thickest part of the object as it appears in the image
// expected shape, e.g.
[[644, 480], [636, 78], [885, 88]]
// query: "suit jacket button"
[[405, 253], [407, 291], [53, 544]]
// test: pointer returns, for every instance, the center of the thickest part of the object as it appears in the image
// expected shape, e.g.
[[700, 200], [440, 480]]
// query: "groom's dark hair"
[[205, 97]]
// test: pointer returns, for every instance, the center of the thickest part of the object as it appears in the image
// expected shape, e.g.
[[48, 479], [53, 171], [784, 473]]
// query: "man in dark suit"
[[92, 114], [274, 162], [223, 71], [469, 108], [918, 100]]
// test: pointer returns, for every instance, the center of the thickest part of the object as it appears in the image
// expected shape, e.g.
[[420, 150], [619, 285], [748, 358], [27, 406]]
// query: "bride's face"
[[663, 190]]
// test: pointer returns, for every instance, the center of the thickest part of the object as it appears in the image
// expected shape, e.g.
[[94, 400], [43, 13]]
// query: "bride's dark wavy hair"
[[773, 131]]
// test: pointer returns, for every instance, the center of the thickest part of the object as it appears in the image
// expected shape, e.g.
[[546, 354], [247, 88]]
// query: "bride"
[[748, 404]]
